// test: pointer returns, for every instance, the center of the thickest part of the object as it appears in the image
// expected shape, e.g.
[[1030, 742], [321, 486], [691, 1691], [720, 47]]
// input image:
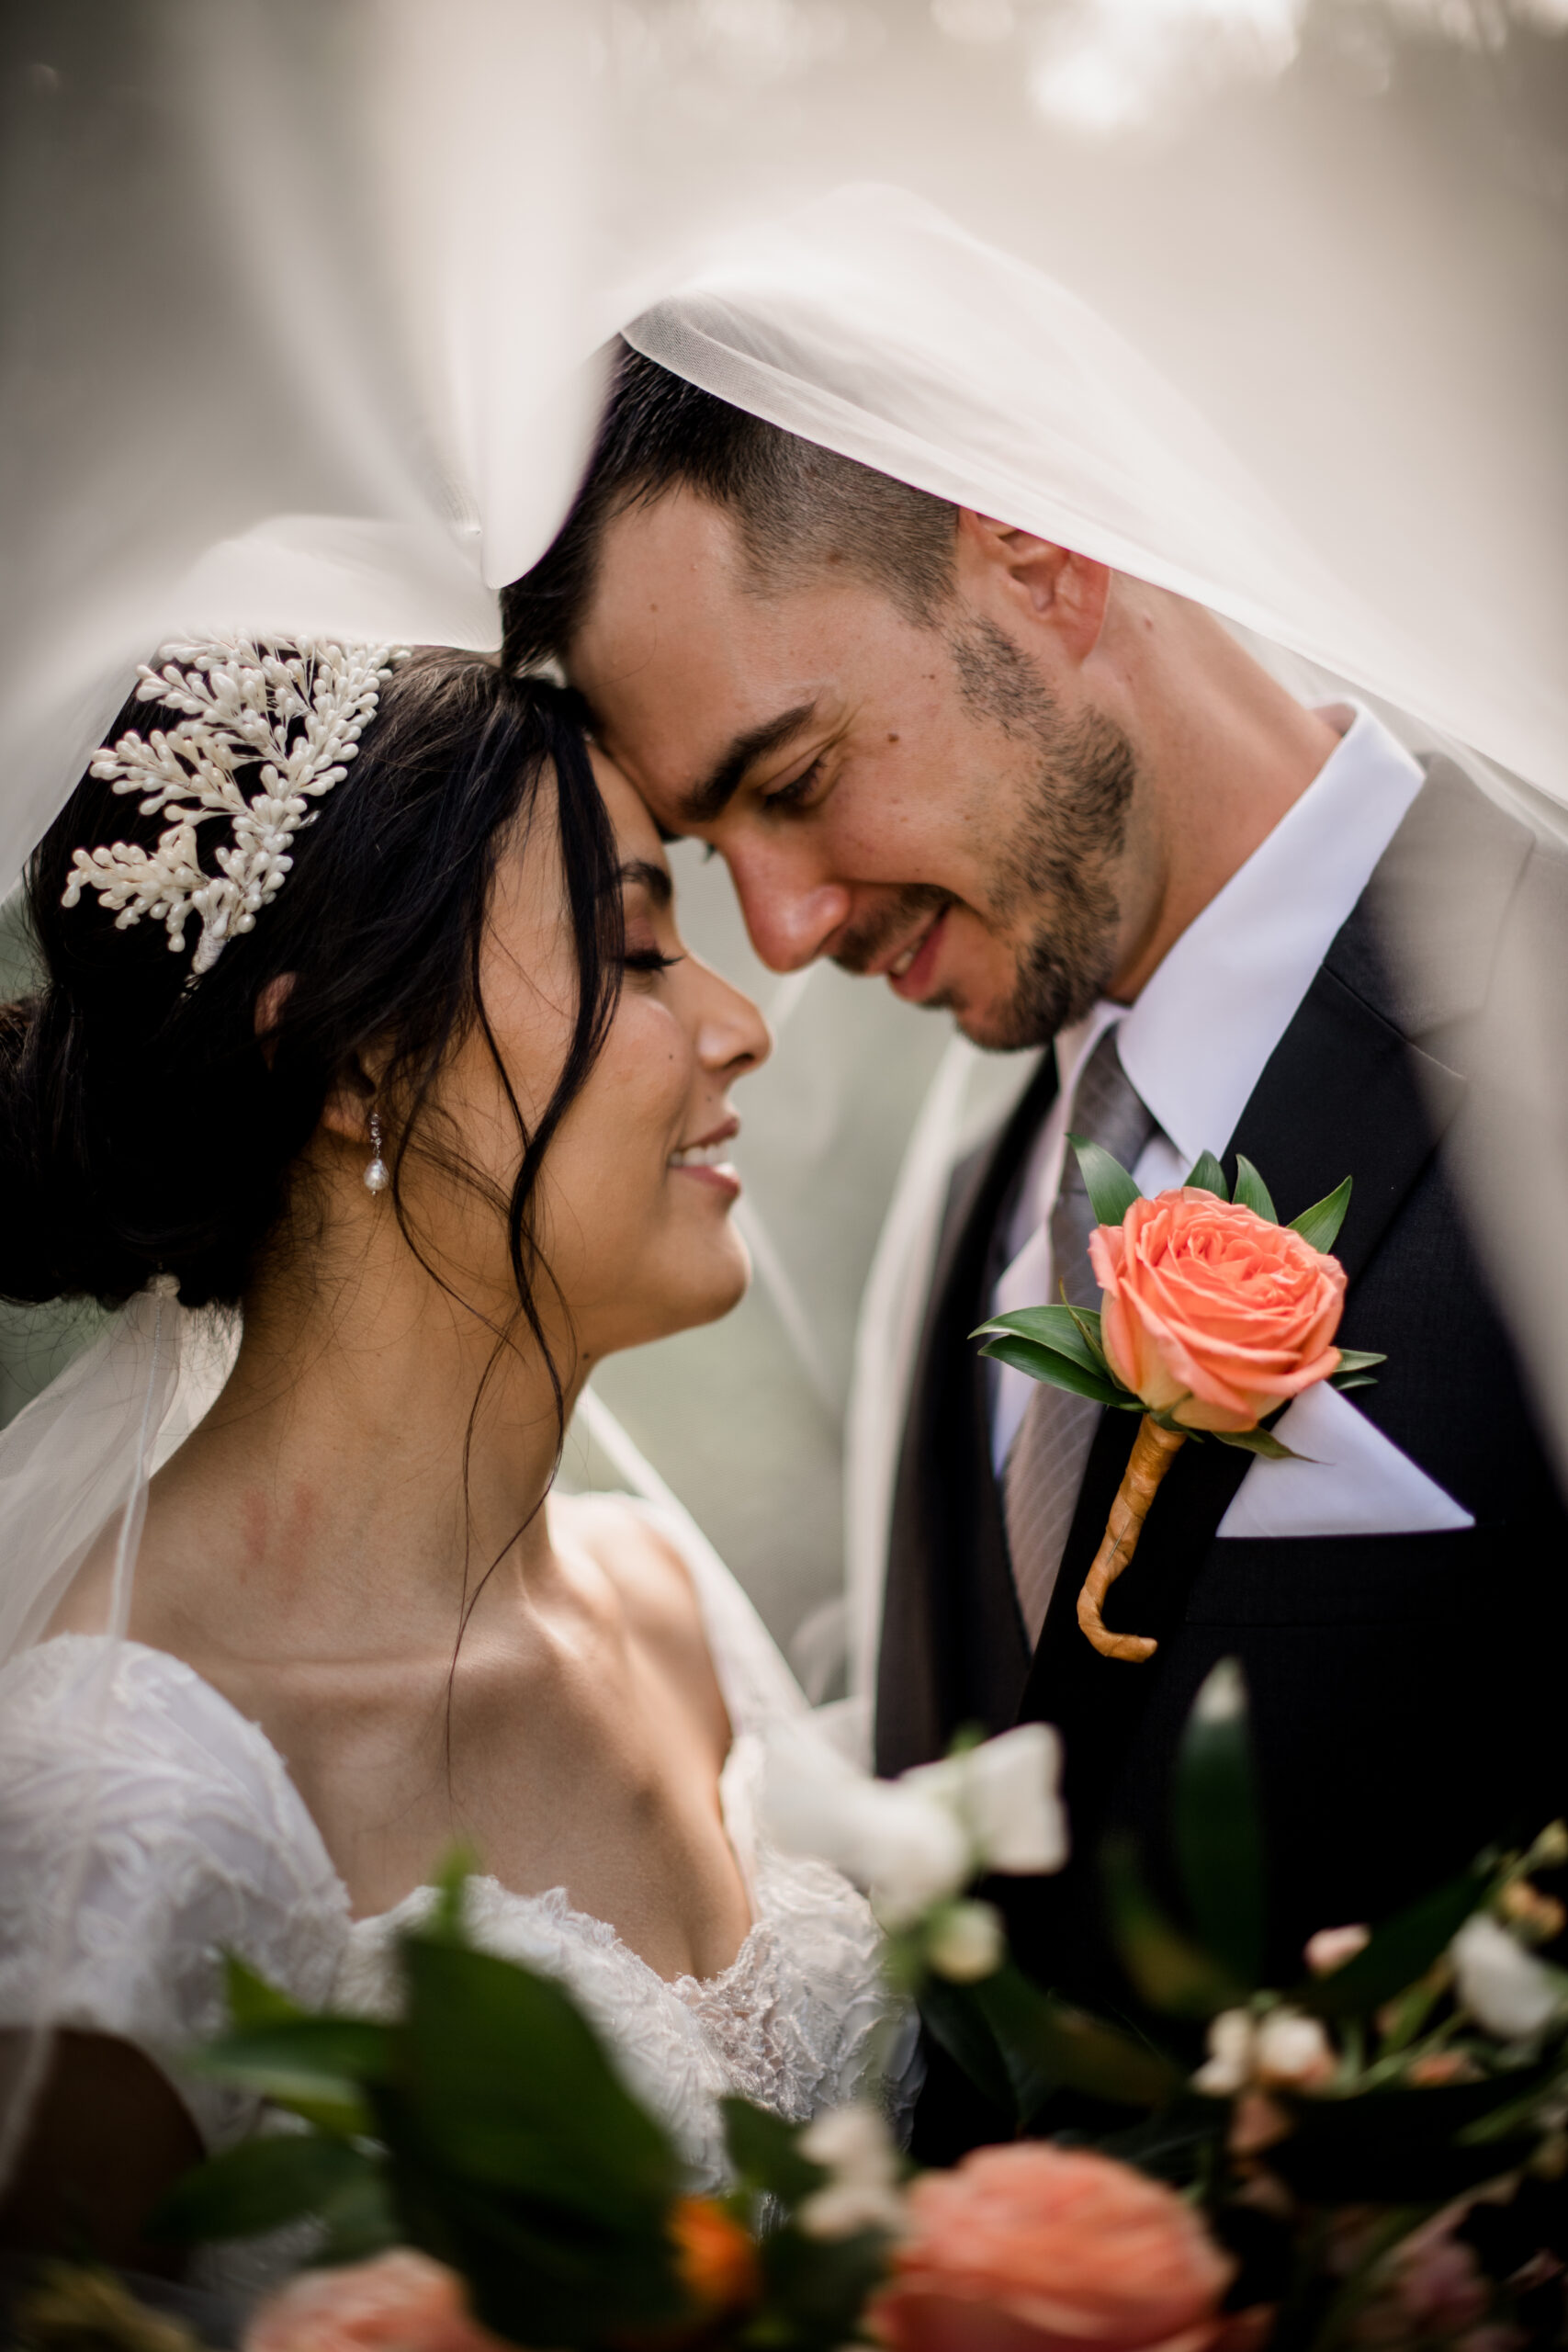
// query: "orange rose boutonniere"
[[1213, 1316]]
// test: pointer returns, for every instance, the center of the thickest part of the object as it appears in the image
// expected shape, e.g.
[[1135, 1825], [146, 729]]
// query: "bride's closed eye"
[[648, 889], [648, 959]]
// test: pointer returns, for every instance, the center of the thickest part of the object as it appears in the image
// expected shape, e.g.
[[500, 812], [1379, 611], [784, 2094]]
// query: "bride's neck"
[[375, 1446]]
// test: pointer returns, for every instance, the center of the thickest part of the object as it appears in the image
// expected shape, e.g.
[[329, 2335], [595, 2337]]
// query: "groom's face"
[[932, 803]]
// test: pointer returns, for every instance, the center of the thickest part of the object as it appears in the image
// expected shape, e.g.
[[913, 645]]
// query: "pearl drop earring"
[[378, 1176]]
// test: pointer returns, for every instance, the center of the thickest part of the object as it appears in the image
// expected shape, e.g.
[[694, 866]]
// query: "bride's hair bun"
[[144, 1127]]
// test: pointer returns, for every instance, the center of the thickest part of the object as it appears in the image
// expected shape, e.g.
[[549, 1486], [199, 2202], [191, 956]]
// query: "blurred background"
[[240, 264]]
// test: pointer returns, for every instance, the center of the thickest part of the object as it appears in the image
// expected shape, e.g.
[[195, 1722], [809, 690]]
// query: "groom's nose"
[[791, 918]]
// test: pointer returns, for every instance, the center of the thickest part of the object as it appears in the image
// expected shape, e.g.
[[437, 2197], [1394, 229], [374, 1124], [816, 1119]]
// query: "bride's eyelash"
[[648, 959]]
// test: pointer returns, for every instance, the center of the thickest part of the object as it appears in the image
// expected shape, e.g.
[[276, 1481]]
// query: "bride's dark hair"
[[145, 1128]]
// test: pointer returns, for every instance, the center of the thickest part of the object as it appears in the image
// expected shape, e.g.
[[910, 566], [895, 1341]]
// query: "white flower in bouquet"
[[1507, 1989], [1282, 2049], [916, 1842], [966, 1941], [862, 2192], [1006, 1793]]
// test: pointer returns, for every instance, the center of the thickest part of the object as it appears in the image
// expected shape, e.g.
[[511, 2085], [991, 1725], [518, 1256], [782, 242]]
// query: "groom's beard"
[[1052, 889]]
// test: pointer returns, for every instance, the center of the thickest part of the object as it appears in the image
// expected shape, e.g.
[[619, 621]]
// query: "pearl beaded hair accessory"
[[299, 710]]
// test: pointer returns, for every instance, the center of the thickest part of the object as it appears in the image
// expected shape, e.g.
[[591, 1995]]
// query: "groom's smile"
[[906, 798]]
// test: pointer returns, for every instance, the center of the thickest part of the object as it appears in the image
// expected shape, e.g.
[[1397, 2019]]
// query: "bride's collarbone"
[[573, 1737]]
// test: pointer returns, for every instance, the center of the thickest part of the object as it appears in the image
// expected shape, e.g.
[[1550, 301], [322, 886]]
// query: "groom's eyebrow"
[[709, 799]]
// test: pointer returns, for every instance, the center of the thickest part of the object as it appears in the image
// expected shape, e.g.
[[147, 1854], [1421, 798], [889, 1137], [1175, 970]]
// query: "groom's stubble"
[[1053, 873]]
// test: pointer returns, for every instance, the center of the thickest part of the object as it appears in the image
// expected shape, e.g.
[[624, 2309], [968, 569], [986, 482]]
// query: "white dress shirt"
[[1205, 1024]]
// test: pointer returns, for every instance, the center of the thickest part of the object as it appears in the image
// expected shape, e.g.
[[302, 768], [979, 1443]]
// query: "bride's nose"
[[732, 1036]]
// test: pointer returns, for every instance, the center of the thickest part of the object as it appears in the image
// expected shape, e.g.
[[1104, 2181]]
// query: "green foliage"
[[252, 2000], [1319, 1225], [1208, 1176], [1252, 1192], [1060, 1330], [1261, 1441], [1219, 1834], [1354, 1368], [1171, 1972], [1111, 1190], [1401, 1951], [1402, 2146], [1020, 2044], [954, 2017], [485, 2126], [261, 2185], [765, 2153], [1054, 1366], [816, 2289], [312, 2066]]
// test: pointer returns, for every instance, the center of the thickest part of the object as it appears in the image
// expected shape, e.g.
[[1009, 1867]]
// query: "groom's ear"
[[1046, 585]]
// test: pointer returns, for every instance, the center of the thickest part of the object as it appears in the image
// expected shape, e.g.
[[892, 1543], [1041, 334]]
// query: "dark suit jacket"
[[1406, 1688]]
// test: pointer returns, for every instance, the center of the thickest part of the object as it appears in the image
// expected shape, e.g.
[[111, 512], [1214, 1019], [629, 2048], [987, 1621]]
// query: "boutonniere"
[[1213, 1316]]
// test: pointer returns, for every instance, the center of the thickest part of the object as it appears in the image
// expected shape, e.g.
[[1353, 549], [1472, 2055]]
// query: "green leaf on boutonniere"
[[1251, 1192], [1064, 1363], [1356, 1359], [1261, 1441], [1208, 1176], [1059, 1372], [1111, 1190], [1086, 1320], [1056, 1328], [1319, 1225], [1219, 1837]]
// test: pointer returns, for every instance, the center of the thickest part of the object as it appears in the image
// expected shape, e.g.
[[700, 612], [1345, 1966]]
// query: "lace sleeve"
[[146, 1828]]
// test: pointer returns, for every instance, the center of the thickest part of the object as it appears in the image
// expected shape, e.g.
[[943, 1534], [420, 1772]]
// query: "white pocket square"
[[1353, 1482]]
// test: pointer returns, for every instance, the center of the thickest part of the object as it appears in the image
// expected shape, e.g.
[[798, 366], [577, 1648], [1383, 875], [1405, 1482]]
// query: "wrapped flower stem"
[[1153, 1451]]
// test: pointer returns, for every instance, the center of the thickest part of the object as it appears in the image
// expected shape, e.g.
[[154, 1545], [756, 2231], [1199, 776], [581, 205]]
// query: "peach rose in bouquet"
[[397, 2301], [1035, 2248]]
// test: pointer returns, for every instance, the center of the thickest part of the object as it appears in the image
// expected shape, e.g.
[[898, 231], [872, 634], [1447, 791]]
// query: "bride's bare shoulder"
[[655, 1590], [642, 1562]]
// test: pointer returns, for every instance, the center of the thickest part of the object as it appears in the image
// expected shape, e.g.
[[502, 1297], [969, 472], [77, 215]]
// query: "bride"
[[443, 1104]]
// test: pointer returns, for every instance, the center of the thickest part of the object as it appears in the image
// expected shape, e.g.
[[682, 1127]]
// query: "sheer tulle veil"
[[401, 356]]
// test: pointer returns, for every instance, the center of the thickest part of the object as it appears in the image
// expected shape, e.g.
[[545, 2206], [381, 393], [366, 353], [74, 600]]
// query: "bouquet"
[[1373, 2153]]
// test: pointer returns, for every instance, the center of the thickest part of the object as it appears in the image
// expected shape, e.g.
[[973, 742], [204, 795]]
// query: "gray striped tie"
[[1044, 1469]]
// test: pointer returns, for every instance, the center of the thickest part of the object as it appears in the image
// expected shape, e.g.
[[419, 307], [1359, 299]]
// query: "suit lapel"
[[949, 1623], [1343, 1094]]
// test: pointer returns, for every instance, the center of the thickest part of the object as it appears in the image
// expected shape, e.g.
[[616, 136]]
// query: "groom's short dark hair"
[[797, 507]]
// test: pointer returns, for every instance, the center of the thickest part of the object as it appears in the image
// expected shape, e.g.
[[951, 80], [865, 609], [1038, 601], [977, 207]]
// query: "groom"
[[1067, 808]]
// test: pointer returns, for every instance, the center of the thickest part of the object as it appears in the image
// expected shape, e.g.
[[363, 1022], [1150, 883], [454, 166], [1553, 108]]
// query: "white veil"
[[312, 299], [874, 325]]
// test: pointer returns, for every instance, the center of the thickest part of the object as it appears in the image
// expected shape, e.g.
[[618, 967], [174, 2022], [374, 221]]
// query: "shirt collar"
[[1196, 1041]]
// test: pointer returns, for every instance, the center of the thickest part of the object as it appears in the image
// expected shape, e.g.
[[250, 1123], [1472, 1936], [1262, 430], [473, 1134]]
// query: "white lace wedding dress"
[[197, 1842]]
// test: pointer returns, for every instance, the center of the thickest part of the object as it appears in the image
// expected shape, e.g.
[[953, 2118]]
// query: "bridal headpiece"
[[298, 710]]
